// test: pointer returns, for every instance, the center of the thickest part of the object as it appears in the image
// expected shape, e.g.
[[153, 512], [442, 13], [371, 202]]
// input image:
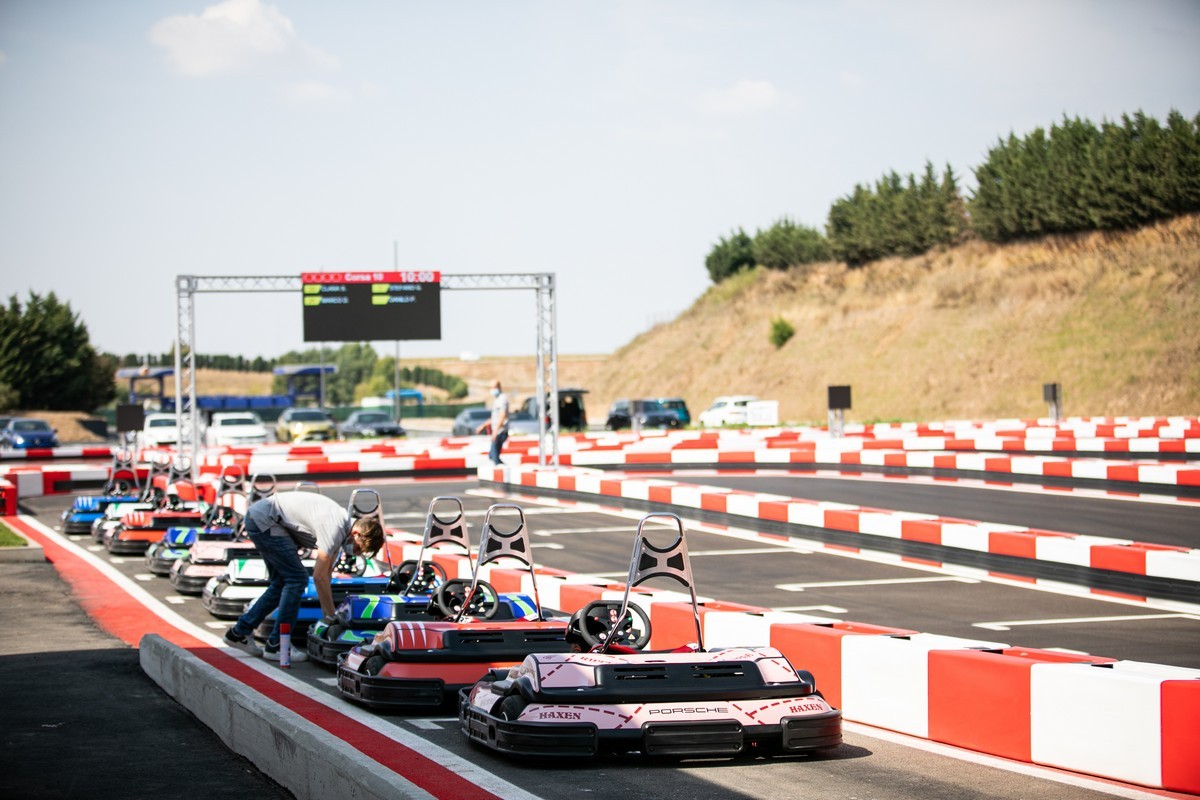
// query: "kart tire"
[[511, 707], [373, 665], [334, 631]]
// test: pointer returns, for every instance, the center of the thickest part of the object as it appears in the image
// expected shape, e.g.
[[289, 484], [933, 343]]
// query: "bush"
[[730, 256], [786, 244], [781, 332]]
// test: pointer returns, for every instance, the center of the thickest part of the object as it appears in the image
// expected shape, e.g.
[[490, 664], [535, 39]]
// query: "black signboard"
[[371, 306]]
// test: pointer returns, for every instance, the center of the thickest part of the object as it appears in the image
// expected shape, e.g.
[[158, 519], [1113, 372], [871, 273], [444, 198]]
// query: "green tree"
[[47, 359], [730, 255], [786, 244]]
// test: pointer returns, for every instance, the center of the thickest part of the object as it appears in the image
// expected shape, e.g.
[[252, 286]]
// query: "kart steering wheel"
[[451, 599], [596, 624], [350, 565], [404, 578]]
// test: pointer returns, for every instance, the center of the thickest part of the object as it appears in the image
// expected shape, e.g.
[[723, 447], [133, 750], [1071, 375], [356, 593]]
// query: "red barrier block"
[[1125, 557], [1181, 736], [817, 647], [8, 498], [574, 596], [980, 699]]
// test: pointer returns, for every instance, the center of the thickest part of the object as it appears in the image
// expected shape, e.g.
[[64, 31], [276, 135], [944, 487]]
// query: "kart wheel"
[[511, 707], [596, 624], [334, 631], [451, 599], [373, 665]]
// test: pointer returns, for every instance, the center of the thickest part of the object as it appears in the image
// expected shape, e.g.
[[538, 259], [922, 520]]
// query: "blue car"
[[24, 433]]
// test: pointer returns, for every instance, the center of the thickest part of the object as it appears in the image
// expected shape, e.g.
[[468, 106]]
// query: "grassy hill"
[[971, 332]]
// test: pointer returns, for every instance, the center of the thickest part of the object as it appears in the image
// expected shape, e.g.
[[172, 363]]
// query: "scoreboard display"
[[371, 306]]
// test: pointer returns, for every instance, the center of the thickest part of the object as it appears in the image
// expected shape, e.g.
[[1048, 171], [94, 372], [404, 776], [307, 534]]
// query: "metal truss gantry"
[[187, 415]]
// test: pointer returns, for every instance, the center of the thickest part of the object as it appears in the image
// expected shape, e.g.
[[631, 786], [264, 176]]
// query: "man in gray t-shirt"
[[280, 526]]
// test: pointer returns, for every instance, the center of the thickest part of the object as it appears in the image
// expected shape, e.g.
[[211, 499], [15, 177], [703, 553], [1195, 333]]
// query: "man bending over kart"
[[279, 526]]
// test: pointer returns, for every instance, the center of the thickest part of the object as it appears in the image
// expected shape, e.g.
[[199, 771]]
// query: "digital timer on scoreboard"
[[371, 306]]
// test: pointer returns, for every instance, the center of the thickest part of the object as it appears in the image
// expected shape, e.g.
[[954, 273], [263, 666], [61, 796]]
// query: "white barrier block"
[[745, 505], [1184, 566], [1160, 473], [965, 536], [881, 524], [806, 513], [885, 679], [686, 496], [1102, 720], [635, 489]]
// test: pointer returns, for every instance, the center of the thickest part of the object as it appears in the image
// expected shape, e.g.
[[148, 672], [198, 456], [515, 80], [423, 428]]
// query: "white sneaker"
[[272, 653]]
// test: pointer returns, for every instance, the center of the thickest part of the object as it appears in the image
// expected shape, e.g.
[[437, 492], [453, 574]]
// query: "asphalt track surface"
[[80, 719]]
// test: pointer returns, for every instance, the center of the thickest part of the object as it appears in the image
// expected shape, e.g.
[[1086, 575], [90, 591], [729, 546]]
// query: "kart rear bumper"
[[710, 738], [379, 692]]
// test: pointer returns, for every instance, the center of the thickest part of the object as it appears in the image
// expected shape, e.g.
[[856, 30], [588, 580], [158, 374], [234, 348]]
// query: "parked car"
[[305, 425], [370, 425], [680, 408], [469, 420], [235, 428], [572, 416], [523, 422], [160, 430], [22, 433], [647, 414], [728, 410]]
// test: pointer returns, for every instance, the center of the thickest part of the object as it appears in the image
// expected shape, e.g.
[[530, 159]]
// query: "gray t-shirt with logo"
[[309, 518]]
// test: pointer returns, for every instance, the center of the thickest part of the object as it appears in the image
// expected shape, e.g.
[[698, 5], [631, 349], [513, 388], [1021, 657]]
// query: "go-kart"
[[162, 472], [122, 486], [183, 506], [425, 663], [222, 522], [409, 594], [615, 697]]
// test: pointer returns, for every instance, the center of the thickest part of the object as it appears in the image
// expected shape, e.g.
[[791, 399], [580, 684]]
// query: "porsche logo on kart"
[[690, 710]]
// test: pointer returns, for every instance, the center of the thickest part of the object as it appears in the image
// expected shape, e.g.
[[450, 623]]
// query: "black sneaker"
[[243, 643], [271, 653]]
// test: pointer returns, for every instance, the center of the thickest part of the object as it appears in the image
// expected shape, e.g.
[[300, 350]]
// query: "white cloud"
[[744, 97], [851, 80], [234, 37]]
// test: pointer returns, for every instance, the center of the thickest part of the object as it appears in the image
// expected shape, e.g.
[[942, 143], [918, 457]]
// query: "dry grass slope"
[[971, 332]]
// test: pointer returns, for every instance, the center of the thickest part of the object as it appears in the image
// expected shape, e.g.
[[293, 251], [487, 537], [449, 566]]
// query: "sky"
[[611, 144]]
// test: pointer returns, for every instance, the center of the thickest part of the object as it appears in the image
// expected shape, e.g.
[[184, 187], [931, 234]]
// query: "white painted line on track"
[[1010, 624], [216, 625], [1044, 773], [822, 609], [748, 551], [144, 576], [561, 531], [800, 587], [328, 681], [425, 724], [547, 545], [95, 548], [175, 599]]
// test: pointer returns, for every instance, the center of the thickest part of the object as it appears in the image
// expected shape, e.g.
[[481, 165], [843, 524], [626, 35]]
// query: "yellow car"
[[305, 425]]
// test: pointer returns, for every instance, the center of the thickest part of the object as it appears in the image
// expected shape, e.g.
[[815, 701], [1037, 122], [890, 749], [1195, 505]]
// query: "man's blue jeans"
[[289, 579], [497, 445]]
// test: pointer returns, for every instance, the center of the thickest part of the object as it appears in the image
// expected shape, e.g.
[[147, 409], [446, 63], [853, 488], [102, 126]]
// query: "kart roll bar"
[[495, 544], [671, 562], [440, 531]]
